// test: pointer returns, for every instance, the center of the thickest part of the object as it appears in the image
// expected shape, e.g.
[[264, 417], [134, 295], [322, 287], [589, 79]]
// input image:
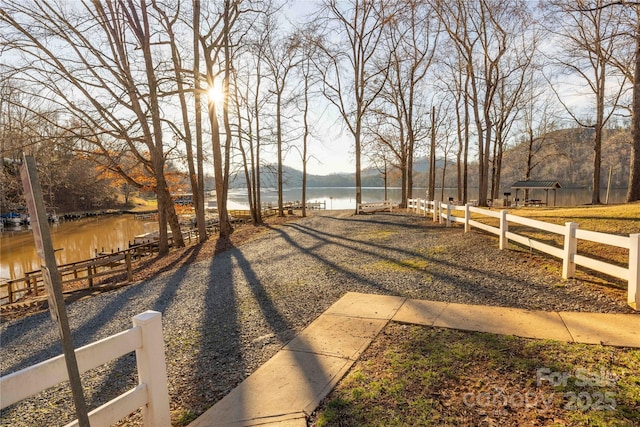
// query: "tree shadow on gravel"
[[121, 374], [389, 220], [222, 326], [124, 368], [473, 284], [327, 239]]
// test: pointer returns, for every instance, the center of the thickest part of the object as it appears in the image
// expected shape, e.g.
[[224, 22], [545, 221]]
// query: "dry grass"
[[415, 375], [611, 219]]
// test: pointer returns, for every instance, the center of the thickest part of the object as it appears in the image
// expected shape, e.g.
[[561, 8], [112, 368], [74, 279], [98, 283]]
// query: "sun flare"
[[215, 95]]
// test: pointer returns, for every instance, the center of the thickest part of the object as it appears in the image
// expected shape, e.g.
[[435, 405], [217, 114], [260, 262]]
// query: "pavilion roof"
[[536, 184]]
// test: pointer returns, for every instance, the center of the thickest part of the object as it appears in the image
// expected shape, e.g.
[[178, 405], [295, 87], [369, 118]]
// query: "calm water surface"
[[79, 240]]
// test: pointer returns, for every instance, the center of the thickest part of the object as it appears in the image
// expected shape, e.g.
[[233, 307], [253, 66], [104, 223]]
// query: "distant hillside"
[[293, 178], [566, 155]]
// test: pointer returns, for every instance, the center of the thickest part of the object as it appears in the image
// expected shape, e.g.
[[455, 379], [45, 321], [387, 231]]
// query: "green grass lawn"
[[422, 376]]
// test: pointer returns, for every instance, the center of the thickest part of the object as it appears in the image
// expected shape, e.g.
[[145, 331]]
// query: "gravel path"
[[223, 318]]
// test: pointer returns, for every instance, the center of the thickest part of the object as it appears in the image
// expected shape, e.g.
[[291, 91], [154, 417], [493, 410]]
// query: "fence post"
[[127, 260], [152, 369], [35, 285], [467, 217], [570, 249], [448, 215], [435, 210], [27, 282], [89, 275], [633, 295], [504, 227]]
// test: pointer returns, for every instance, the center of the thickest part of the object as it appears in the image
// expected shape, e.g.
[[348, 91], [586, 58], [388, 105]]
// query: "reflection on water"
[[81, 239], [77, 240]]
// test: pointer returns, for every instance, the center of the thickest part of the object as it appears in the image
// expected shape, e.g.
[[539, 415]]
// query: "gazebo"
[[536, 185]]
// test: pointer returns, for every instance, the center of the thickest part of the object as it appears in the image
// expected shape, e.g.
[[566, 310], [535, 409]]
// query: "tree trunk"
[[200, 208], [432, 157], [279, 149], [633, 191], [358, 153]]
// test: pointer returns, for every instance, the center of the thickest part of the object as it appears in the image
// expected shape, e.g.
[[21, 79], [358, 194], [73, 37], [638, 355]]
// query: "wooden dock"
[[84, 273], [297, 205]]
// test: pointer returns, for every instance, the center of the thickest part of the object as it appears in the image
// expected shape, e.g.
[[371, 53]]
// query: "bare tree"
[[171, 25], [483, 33], [216, 41], [306, 72], [537, 123], [633, 193], [281, 57], [250, 73], [410, 38], [453, 82], [510, 99], [626, 58], [351, 78], [379, 155], [97, 63], [590, 38]]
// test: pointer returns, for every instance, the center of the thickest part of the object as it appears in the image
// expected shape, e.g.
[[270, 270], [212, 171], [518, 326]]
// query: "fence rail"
[[570, 233], [151, 394], [373, 207]]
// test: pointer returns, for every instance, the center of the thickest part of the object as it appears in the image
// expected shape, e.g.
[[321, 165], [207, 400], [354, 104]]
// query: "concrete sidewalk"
[[292, 383]]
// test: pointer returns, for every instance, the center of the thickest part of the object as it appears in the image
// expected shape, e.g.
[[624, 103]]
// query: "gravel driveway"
[[223, 318]]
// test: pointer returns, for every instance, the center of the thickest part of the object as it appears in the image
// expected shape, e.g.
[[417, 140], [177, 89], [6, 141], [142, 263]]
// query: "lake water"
[[76, 240], [79, 240], [345, 197]]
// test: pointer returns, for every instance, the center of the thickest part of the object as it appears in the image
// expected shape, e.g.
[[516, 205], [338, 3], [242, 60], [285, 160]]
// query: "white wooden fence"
[[151, 394], [372, 207], [442, 212]]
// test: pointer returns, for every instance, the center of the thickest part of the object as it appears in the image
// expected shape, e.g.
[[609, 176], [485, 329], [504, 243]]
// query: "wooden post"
[[35, 285], [504, 227], [90, 275], [570, 249], [127, 259], [467, 217], [27, 282], [51, 277], [606, 201], [633, 295], [152, 369]]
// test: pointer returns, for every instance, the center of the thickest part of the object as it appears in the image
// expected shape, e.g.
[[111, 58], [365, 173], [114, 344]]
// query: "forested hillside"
[[565, 155]]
